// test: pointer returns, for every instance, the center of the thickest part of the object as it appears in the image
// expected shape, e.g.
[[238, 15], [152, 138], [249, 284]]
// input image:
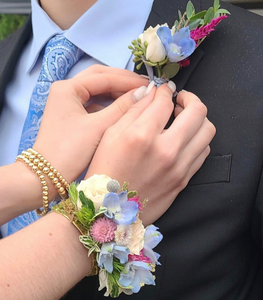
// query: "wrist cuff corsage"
[[107, 217]]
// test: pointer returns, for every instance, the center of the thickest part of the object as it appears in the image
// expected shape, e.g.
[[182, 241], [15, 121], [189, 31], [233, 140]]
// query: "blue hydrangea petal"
[[108, 264], [146, 276], [136, 286], [152, 237], [187, 47], [112, 203], [127, 276], [122, 197], [128, 213], [183, 33], [121, 253], [181, 39], [154, 256], [106, 257], [141, 264], [164, 34], [135, 273]]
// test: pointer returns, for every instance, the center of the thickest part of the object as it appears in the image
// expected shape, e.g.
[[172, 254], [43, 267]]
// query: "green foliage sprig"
[[193, 20]]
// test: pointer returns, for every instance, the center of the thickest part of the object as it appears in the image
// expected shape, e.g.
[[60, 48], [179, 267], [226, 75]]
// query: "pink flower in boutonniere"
[[164, 51], [201, 32]]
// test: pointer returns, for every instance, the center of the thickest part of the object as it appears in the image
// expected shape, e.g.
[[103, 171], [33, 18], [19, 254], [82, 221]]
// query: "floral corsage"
[[164, 50], [107, 216]]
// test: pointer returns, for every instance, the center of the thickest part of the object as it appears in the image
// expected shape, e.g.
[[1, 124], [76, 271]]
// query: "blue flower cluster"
[[178, 46], [134, 273]]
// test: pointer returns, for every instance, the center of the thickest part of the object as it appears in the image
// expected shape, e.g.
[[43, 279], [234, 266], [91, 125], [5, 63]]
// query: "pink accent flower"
[[201, 32], [140, 257], [184, 63], [136, 199], [103, 230]]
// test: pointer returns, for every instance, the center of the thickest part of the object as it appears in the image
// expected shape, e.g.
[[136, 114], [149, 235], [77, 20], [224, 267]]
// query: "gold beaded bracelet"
[[42, 167], [56, 178], [42, 180]]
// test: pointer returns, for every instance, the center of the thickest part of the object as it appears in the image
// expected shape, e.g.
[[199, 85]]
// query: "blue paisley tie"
[[59, 57]]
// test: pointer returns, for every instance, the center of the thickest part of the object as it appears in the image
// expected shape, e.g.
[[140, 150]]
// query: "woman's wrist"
[[20, 191], [52, 252]]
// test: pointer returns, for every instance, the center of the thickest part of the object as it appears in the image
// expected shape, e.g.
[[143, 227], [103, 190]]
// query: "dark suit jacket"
[[212, 246]]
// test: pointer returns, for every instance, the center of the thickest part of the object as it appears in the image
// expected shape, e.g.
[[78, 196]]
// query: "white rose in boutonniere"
[[94, 188], [155, 51]]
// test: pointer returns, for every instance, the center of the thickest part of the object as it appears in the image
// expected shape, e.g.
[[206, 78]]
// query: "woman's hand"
[[69, 135], [157, 163]]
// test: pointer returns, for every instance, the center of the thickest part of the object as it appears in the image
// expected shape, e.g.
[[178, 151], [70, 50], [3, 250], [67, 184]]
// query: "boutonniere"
[[164, 50]]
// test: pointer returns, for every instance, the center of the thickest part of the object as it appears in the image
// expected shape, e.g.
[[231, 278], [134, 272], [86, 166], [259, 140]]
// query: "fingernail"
[[172, 86], [184, 91], [139, 93], [144, 76], [149, 88]]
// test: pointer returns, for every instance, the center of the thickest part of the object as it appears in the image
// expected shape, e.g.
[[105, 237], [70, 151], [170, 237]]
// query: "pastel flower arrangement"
[[113, 233], [167, 50]]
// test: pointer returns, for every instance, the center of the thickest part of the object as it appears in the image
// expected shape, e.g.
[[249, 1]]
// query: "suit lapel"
[[165, 11], [10, 50]]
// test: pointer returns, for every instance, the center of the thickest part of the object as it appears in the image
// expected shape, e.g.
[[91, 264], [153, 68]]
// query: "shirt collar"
[[43, 30], [104, 32]]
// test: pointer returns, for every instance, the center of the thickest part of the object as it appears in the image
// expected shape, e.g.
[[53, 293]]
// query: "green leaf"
[[125, 186], [85, 216], [132, 194], [170, 70], [216, 5], [113, 281], [223, 11], [117, 265], [199, 15], [86, 202], [190, 10], [194, 24], [100, 211], [179, 15], [176, 23], [91, 250], [73, 192], [86, 241], [209, 16]]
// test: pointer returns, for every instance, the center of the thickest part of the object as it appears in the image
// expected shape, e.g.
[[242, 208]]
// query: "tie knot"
[[59, 57]]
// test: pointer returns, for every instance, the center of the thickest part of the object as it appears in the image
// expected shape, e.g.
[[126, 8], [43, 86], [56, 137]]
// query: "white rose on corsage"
[[94, 188], [155, 51]]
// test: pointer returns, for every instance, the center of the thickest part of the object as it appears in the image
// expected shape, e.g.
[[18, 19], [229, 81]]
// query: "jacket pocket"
[[215, 169]]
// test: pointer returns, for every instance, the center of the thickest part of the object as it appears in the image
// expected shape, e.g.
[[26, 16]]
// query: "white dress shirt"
[[103, 33]]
